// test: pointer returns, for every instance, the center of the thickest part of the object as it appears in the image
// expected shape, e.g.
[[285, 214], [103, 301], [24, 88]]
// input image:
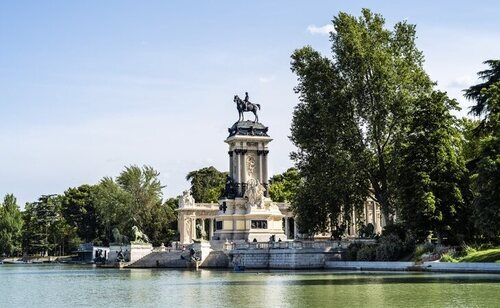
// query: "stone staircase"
[[167, 259]]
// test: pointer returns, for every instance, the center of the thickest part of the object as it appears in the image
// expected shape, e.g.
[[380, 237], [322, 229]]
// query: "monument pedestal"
[[130, 252], [242, 221]]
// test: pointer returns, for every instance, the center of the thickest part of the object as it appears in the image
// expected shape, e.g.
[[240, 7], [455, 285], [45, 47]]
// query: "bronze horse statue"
[[246, 107]]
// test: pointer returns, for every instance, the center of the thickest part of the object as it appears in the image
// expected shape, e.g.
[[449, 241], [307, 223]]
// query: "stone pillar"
[[202, 227], [236, 171], [211, 229], [259, 165], [295, 228], [193, 228], [230, 162], [374, 215], [264, 172], [243, 172]]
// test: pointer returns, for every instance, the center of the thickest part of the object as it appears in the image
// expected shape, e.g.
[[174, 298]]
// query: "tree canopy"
[[207, 184], [353, 112]]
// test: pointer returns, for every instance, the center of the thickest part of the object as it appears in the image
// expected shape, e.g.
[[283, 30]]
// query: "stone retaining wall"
[[369, 265]]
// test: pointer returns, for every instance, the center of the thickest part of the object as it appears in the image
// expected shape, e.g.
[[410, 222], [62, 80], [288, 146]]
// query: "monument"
[[245, 210], [122, 249]]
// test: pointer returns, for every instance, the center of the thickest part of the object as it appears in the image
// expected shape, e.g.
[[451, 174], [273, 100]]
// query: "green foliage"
[[487, 98], [424, 248], [390, 248], [351, 253], [487, 199], [10, 226], [45, 231], [432, 174], [367, 253], [490, 255], [486, 165], [78, 207], [283, 187], [135, 199], [367, 231], [207, 184], [353, 110], [447, 258]]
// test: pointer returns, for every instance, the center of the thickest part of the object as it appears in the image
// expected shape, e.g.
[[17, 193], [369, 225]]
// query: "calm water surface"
[[69, 286]]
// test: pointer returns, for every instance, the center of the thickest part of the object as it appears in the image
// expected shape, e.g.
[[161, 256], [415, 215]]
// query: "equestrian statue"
[[246, 106]]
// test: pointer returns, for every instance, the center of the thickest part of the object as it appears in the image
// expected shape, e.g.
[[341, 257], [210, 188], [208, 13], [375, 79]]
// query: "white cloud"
[[462, 82], [266, 79], [323, 30]]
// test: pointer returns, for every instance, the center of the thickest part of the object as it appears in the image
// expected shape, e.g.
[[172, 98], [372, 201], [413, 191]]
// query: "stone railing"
[[323, 245]]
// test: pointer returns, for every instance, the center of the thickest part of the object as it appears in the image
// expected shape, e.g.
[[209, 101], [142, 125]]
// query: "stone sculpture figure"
[[229, 188], [246, 106], [254, 193], [186, 200], [119, 238], [139, 236]]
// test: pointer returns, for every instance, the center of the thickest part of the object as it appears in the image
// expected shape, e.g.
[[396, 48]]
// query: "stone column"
[[264, 172], [181, 226], [230, 162], [211, 230], [202, 227], [237, 180], [243, 172], [259, 165], [374, 215], [193, 228], [295, 228]]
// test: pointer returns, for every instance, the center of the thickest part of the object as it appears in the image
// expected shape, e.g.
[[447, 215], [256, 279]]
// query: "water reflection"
[[71, 286]]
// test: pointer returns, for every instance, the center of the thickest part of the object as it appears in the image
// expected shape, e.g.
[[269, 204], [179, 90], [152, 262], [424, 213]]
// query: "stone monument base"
[[138, 250], [131, 252]]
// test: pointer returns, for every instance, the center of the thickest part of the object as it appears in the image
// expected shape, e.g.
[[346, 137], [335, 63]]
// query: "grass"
[[489, 255]]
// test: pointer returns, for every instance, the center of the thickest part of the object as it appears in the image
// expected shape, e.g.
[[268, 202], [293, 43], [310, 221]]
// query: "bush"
[[396, 229], [422, 249], [447, 258], [366, 253], [390, 248], [351, 254]]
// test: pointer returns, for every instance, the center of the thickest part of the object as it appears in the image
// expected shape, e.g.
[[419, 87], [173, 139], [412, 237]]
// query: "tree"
[[283, 187], [353, 113], [10, 226], [79, 210], [487, 98], [486, 167], [432, 175], [135, 198], [45, 231], [207, 184]]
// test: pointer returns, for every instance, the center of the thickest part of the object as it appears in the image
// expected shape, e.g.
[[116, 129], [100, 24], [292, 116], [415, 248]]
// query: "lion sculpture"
[[139, 236], [119, 238]]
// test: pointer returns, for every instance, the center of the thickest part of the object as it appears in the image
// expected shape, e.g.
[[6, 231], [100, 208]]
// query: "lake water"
[[69, 286]]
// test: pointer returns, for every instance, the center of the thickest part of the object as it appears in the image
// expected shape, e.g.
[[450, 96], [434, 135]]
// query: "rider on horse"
[[246, 101]]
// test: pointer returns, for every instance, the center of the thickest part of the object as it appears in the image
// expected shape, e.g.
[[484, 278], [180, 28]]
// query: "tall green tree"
[[135, 198], [207, 184], [486, 167], [432, 175], [79, 210], [486, 96], [354, 111], [10, 226], [45, 231]]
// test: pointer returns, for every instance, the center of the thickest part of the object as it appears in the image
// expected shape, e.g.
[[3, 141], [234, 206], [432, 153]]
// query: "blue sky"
[[88, 87]]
